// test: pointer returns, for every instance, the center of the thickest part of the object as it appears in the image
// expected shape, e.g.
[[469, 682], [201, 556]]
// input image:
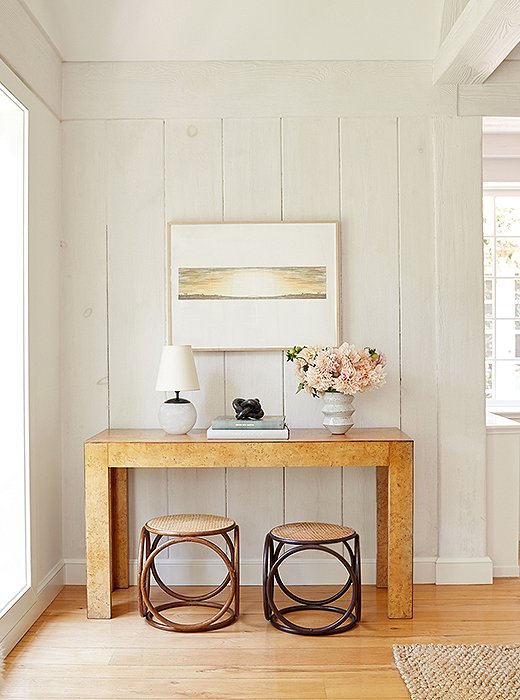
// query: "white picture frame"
[[253, 286]]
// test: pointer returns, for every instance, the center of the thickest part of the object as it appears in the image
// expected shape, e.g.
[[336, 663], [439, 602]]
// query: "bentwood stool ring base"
[[286, 540], [176, 529]]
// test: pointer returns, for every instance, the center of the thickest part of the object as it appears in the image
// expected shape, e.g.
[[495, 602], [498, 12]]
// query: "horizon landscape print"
[[253, 286], [289, 282]]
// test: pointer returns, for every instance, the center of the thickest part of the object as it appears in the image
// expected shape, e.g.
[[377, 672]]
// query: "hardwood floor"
[[64, 655]]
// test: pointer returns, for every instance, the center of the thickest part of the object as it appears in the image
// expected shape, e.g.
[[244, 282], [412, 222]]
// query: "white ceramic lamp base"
[[177, 417]]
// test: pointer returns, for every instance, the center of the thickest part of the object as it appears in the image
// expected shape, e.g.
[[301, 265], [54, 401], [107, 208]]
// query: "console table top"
[[150, 435]]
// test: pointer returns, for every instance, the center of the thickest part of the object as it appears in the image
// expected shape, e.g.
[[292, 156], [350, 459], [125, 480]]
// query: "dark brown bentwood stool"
[[284, 541], [188, 528]]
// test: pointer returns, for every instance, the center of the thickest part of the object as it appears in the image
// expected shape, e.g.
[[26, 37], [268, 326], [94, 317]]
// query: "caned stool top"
[[189, 524], [312, 532]]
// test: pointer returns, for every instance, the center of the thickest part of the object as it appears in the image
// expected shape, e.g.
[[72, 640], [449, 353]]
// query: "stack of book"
[[266, 428]]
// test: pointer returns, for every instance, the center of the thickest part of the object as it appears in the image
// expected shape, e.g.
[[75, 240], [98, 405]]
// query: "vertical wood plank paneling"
[[193, 172], [310, 193], [370, 263], [460, 332], [252, 177], [418, 310], [252, 192], [84, 394], [310, 176], [135, 216], [194, 193], [370, 285]]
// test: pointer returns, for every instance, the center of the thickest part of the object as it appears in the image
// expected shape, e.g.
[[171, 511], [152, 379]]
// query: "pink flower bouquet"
[[345, 370]]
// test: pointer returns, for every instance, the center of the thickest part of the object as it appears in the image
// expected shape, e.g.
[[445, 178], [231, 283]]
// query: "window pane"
[[489, 345], [488, 298], [505, 298], [489, 246], [507, 212], [507, 380], [490, 338], [505, 339], [488, 217], [507, 257], [489, 380]]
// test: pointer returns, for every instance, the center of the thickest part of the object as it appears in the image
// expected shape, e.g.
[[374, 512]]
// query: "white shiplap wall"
[[368, 164], [460, 422]]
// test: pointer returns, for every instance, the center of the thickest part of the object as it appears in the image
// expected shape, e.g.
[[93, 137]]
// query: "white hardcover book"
[[275, 434]]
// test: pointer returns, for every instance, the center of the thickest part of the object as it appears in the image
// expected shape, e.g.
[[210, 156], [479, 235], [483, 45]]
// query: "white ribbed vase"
[[337, 412]]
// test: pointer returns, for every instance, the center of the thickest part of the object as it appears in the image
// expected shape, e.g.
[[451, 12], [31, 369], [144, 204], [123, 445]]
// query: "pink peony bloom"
[[346, 369]]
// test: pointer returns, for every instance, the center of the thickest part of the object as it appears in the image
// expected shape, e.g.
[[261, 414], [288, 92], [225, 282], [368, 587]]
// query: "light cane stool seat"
[[193, 524], [326, 533], [166, 532]]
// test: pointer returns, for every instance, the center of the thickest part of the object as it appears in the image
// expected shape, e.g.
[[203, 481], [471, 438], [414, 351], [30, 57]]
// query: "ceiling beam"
[[485, 32], [450, 13]]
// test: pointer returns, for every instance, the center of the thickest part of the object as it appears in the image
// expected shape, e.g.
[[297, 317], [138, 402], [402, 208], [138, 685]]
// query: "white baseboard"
[[75, 572], [184, 572], [57, 572], [424, 569], [463, 571], [36, 603], [506, 571], [202, 572]]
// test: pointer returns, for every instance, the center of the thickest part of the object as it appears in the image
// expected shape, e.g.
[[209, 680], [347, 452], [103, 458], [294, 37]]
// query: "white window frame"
[[503, 189], [21, 603]]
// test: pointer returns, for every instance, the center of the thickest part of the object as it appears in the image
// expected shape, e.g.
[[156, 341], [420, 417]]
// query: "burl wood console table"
[[111, 453]]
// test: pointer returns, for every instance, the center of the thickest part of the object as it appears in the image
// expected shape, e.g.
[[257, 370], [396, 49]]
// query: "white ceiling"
[[158, 30]]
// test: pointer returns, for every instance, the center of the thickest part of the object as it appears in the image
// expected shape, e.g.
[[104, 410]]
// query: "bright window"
[[502, 295], [14, 529]]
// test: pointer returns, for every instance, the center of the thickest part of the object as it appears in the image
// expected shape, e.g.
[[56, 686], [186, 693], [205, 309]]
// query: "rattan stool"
[[188, 528], [284, 541]]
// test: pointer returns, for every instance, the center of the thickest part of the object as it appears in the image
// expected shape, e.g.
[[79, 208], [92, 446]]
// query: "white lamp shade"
[[177, 371]]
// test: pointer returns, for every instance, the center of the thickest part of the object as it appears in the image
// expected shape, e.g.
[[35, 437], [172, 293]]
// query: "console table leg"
[[382, 527], [119, 480], [400, 531], [98, 531]]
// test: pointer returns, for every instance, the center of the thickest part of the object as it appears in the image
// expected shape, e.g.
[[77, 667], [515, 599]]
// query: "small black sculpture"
[[248, 409]]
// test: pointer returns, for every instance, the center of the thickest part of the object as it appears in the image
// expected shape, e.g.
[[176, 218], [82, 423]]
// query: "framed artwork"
[[253, 286]]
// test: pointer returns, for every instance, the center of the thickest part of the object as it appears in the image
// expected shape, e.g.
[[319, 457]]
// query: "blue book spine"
[[267, 423]]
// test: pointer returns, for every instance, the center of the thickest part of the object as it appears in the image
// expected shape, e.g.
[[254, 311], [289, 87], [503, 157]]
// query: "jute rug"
[[459, 672]]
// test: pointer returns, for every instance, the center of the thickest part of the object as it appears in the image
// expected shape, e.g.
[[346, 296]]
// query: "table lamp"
[[177, 372]]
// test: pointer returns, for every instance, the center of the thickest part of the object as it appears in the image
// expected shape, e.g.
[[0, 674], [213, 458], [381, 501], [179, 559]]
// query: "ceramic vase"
[[337, 412]]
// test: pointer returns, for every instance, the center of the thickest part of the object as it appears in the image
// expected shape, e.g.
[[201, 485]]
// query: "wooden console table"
[[109, 454]]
